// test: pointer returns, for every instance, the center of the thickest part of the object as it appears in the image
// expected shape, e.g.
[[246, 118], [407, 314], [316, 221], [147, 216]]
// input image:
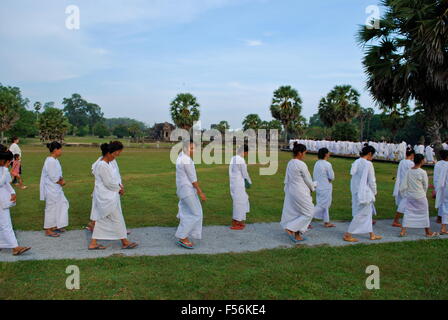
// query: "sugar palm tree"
[[340, 105], [286, 107], [252, 121], [185, 110]]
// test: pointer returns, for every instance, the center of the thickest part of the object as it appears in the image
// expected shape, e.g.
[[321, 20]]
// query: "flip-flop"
[[432, 235], [376, 238], [352, 240], [53, 235], [59, 231], [20, 252], [130, 246], [402, 235], [184, 245], [293, 238], [98, 247], [237, 228]]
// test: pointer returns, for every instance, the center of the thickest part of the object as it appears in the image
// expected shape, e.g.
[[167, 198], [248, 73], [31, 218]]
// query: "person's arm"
[[371, 180], [425, 181], [244, 173], [191, 174], [108, 180], [330, 173], [307, 177]]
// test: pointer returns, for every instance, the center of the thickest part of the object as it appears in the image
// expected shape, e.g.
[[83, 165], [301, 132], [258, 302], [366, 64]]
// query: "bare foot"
[[329, 225], [396, 225], [376, 237]]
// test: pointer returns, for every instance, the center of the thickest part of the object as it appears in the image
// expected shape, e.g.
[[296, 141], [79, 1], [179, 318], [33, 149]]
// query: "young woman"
[[363, 189], [15, 171], [119, 146], [416, 210], [298, 208], [51, 184], [441, 187], [15, 149], [404, 166], [323, 174], [106, 204], [188, 191], [7, 199], [239, 180]]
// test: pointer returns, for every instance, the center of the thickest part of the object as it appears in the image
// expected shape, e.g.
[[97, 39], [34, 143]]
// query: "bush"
[[345, 131]]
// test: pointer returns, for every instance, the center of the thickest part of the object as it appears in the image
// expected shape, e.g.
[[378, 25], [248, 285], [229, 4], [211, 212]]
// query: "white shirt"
[[323, 174], [415, 184], [238, 172], [185, 176], [51, 174], [6, 190], [15, 149]]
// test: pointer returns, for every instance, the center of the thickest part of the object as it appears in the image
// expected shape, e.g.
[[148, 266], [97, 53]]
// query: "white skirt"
[[323, 204], [362, 218], [298, 212], [240, 205], [111, 227], [416, 213], [56, 213], [7, 237], [190, 218]]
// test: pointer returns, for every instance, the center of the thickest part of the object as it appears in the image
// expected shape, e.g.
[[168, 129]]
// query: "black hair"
[[298, 148], [322, 153], [14, 139], [418, 159], [444, 154], [6, 156], [54, 146], [410, 152], [111, 147], [366, 150], [16, 156]]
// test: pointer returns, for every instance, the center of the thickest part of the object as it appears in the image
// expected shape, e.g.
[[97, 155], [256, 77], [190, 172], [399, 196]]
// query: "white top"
[[113, 163], [15, 149], [441, 182], [185, 176], [415, 184], [363, 182], [238, 172], [6, 190], [51, 174], [323, 174], [403, 168], [298, 178], [106, 197]]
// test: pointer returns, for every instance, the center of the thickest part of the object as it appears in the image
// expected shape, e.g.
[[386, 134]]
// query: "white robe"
[[298, 208], [7, 237], [403, 168], [415, 187], [363, 189], [190, 209], [441, 187], [429, 154], [237, 174], [323, 175], [110, 224], [56, 204]]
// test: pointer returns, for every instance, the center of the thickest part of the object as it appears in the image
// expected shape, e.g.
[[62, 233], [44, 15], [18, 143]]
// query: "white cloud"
[[254, 43]]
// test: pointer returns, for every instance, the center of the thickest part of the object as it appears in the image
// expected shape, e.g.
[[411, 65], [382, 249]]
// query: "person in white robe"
[[429, 154], [106, 204], [323, 175], [404, 166], [419, 149], [190, 213], [441, 187], [51, 191], [8, 199], [415, 188], [298, 208], [239, 181], [363, 189]]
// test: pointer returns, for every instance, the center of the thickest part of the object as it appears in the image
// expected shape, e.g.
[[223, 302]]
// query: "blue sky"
[[133, 56]]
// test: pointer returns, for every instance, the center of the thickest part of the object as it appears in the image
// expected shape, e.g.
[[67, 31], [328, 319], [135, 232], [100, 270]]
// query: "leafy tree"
[[53, 125], [185, 110], [286, 107], [315, 121], [101, 130], [222, 126], [252, 121], [340, 105], [297, 126], [344, 131], [111, 123], [81, 113], [11, 102], [394, 118], [407, 59], [121, 131], [27, 126]]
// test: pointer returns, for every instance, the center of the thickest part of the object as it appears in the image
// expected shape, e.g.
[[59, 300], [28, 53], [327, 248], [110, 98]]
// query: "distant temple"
[[161, 131]]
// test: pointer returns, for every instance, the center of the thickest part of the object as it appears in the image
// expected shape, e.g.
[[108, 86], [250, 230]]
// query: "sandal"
[[330, 225], [53, 235], [21, 251], [98, 247], [59, 230], [432, 235], [396, 225], [185, 245], [377, 237], [351, 239], [130, 245]]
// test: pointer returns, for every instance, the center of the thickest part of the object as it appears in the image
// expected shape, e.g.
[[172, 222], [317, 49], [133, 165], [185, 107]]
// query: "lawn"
[[413, 270], [150, 198]]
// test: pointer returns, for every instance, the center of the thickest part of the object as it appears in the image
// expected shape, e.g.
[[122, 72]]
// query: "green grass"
[[413, 270], [150, 199]]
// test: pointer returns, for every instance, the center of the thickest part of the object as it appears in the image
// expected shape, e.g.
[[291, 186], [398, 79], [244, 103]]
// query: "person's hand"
[[202, 196], [13, 198], [121, 192]]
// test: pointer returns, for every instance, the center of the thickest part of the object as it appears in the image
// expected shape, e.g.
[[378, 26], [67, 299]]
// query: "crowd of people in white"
[[108, 223], [384, 150]]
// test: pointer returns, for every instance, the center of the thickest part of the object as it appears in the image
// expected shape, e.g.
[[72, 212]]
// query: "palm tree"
[[340, 105], [395, 118], [185, 110], [252, 121], [222, 126], [364, 115], [286, 106], [406, 59]]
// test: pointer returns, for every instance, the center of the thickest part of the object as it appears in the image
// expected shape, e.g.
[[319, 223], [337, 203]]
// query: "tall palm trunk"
[[433, 127]]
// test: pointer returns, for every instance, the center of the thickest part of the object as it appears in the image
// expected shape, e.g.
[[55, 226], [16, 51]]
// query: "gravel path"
[[158, 241]]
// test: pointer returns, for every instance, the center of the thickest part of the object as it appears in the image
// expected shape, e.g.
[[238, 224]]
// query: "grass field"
[[150, 198], [408, 270]]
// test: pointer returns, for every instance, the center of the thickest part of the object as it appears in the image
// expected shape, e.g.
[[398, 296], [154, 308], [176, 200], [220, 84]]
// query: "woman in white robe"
[[323, 175], [51, 184], [188, 191], [106, 204], [298, 208], [415, 187], [7, 200], [429, 154], [363, 189], [404, 166], [239, 180], [441, 186]]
